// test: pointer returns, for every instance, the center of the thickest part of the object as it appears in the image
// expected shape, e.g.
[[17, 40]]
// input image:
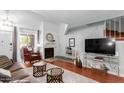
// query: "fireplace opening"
[[49, 52]]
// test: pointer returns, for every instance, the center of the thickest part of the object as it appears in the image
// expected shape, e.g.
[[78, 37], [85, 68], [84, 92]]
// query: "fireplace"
[[49, 52]]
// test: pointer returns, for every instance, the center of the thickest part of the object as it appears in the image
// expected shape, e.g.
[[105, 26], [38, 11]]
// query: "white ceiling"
[[24, 18], [32, 18], [78, 17]]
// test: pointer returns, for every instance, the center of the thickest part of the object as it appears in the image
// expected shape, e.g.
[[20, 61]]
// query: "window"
[[27, 40]]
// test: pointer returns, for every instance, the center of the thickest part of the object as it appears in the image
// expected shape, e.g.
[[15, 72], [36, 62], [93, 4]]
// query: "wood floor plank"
[[90, 73]]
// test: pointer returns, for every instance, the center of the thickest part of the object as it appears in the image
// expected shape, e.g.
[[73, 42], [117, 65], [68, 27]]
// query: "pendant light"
[[7, 21]]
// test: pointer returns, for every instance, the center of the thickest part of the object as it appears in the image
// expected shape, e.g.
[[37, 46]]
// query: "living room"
[[61, 43], [75, 42]]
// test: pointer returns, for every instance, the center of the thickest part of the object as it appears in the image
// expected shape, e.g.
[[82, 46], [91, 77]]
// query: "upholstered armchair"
[[31, 56]]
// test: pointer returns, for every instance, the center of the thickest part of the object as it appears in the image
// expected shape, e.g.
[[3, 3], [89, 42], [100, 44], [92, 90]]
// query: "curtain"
[[15, 44]]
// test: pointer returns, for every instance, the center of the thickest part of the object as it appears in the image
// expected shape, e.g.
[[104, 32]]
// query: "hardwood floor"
[[97, 75]]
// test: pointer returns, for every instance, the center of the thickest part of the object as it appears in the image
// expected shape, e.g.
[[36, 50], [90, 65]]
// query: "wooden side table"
[[54, 75], [39, 69]]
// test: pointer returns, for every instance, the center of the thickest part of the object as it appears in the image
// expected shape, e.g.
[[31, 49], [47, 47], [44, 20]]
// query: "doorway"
[[28, 41], [6, 45]]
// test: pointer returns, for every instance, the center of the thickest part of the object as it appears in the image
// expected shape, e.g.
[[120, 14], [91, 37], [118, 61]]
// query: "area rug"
[[51, 59], [68, 76], [54, 59]]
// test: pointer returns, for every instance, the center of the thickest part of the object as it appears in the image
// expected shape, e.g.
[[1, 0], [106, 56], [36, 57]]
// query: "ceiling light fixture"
[[6, 21]]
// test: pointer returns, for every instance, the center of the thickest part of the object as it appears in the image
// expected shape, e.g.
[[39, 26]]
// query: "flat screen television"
[[100, 45]]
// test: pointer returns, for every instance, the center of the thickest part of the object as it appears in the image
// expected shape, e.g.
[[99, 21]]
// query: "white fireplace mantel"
[[50, 45]]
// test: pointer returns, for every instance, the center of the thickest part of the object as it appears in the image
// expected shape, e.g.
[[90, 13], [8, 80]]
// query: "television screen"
[[100, 45]]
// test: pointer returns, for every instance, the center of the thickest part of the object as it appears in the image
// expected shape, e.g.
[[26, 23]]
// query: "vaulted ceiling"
[[78, 17], [74, 18]]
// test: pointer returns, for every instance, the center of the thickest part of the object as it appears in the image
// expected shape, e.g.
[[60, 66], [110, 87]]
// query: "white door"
[[6, 47]]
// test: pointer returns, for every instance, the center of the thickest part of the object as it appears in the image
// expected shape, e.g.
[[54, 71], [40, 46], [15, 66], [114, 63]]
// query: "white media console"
[[91, 60]]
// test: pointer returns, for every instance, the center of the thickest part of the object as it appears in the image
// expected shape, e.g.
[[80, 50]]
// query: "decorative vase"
[[78, 63]]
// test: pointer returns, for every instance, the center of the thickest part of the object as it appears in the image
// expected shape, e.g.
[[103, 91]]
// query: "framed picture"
[[71, 42]]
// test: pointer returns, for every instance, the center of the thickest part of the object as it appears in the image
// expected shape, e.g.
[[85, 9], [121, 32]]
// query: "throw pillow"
[[5, 62]]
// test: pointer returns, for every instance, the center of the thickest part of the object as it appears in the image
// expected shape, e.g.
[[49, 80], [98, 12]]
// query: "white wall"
[[120, 49], [53, 28], [91, 31]]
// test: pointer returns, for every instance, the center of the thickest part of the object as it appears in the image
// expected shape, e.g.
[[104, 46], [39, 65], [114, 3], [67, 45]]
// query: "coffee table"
[[54, 75], [39, 69]]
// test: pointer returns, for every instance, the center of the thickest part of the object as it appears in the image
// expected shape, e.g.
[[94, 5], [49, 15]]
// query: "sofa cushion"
[[16, 66], [5, 75], [1, 81], [19, 74], [5, 62]]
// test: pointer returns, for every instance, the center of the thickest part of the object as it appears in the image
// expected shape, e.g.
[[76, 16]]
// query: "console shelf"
[[102, 62]]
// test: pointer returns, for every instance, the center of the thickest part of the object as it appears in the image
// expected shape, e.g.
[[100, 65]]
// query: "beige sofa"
[[17, 71]]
